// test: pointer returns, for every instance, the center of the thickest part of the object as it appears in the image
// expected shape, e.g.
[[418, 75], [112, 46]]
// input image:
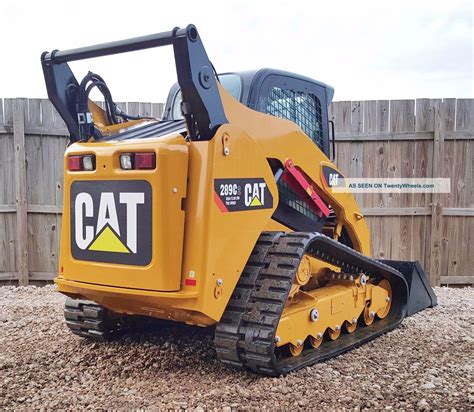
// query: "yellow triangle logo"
[[108, 241], [255, 201]]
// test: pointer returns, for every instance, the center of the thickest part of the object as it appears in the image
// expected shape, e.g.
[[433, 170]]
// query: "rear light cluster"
[[82, 162], [129, 161]]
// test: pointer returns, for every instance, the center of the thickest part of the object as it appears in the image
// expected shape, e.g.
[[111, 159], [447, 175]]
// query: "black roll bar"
[[202, 106]]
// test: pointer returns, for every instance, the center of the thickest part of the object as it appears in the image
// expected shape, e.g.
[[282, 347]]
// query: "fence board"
[[34, 112], [42, 242], [47, 114], [370, 116], [469, 256], [343, 156], [373, 165], [8, 112], [424, 115], [7, 188], [145, 109], [407, 241], [449, 116], [8, 242], [465, 114], [343, 116], [356, 166], [133, 108], [1, 112], [422, 167], [7, 197], [382, 110], [20, 190], [470, 174], [356, 117], [157, 110]]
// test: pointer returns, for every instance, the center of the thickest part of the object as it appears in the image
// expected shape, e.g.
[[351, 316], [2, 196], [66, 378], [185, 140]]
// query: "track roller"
[[316, 342], [351, 326], [383, 312], [297, 349], [369, 315], [334, 333]]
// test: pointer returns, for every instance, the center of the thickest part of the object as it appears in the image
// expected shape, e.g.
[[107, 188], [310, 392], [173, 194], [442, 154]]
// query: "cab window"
[[231, 82], [302, 108]]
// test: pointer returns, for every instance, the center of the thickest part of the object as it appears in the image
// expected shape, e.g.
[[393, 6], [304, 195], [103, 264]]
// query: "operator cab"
[[300, 99], [286, 95]]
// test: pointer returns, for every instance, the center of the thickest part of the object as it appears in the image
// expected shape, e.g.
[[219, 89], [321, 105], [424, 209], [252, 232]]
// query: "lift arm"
[[202, 106]]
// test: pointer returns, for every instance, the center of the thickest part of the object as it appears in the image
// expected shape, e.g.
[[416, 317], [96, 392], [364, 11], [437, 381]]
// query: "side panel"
[[223, 226]]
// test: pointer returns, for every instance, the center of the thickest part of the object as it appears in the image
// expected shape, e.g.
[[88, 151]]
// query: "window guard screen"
[[290, 198], [304, 109]]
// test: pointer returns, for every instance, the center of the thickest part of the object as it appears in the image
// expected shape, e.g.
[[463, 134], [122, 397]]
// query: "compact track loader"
[[220, 213]]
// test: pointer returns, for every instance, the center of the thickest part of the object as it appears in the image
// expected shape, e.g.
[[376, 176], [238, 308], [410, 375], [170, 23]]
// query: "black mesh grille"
[[302, 108], [290, 198]]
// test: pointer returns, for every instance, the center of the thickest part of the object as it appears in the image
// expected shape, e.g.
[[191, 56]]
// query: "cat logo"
[[332, 177], [107, 229], [255, 194], [111, 221]]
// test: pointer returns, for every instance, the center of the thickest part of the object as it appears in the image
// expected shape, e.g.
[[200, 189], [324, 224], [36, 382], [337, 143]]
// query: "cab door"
[[297, 99]]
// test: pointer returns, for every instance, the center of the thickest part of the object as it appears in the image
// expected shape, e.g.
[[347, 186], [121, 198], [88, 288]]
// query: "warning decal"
[[233, 195]]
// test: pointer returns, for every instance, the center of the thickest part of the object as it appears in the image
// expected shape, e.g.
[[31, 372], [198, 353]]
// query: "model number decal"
[[233, 195], [229, 189]]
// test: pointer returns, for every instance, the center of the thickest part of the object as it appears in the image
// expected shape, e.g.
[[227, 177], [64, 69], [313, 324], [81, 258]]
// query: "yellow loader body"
[[224, 212]]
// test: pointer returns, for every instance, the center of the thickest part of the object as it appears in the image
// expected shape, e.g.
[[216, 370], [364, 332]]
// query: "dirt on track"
[[427, 363]]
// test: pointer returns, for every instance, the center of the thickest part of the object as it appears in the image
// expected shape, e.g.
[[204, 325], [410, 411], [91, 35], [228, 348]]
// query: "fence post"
[[20, 191], [436, 205]]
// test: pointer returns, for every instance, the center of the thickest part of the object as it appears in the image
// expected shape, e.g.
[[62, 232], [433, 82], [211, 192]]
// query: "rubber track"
[[245, 336]]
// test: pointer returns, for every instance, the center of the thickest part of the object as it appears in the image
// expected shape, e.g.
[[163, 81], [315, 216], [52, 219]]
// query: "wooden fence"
[[414, 138], [398, 138]]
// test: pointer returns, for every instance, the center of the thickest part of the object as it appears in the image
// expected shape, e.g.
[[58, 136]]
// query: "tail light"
[[82, 162], [129, 161]]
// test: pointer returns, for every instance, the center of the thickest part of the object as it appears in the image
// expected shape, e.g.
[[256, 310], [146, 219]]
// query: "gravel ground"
[[425, 364]]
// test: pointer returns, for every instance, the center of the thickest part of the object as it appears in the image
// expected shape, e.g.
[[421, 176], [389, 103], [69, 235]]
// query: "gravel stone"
[[426, 364], [428, 385], [424, 405]]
